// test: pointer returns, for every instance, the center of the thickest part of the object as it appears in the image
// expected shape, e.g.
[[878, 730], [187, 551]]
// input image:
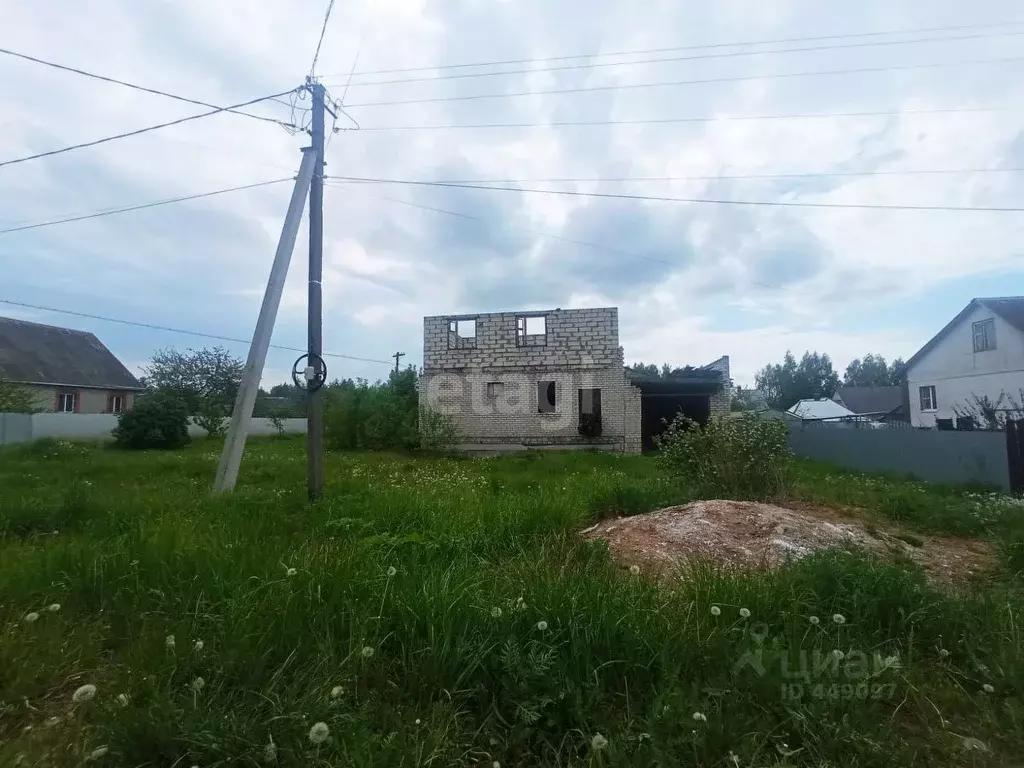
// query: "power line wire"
[[323, 31], [112, 211], [705, 46], [727, 177], [668, 120], [619, 196], [179, 330], [668, 59], [138, 131], [134, 86], [665, 83]]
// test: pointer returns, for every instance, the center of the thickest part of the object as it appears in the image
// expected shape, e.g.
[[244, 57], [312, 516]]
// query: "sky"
[[692, 281]]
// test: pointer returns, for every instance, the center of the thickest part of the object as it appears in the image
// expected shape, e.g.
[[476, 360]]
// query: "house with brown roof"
[[979, 354], [68, 371]]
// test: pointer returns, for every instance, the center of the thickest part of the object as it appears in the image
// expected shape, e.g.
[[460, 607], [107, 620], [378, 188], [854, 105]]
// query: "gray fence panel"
[[15, 428], [940, 457]]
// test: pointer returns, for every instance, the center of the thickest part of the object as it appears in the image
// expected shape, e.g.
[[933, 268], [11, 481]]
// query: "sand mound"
[[753, 535]]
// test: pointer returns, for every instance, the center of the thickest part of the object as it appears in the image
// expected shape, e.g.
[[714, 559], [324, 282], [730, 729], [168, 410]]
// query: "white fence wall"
[[22, 427]]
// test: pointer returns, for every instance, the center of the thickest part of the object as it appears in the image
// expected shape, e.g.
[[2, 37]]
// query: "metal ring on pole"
[[300, 376]]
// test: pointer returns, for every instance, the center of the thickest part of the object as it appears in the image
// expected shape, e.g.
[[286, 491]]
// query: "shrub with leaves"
[[384, 416], [210, 416], [158, 420], [740, 458], [438, 431], [276, 418], [16, 398]]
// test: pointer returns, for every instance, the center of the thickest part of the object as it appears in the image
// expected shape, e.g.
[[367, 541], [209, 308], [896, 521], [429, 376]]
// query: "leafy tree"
[[16, 398], [204, 379], [383, 416], [746, 400], [782, 384], [873, 371]]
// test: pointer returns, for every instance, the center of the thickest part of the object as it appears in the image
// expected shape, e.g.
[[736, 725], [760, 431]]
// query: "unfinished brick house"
[[551, 378], [543, 379]]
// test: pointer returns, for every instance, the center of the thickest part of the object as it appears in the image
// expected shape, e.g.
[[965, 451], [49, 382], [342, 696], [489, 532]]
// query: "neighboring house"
[[883, 404], [980, 353], [68, 371], [821, 410], [553, 378]]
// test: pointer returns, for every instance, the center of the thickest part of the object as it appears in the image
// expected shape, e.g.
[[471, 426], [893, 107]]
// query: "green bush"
[[210, 416], [16, 398], [438, 431], [377, 417], [158, 420], [741, 458], [384, 416]]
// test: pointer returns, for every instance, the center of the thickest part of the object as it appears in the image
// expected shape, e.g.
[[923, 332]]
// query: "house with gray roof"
[[884, 404], [977, 356], [69, 371]]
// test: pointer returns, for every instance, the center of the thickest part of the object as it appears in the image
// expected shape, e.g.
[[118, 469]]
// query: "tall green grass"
[[499, 636]]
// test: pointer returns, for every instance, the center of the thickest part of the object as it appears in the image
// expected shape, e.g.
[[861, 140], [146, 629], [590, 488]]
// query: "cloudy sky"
[[692, 281]]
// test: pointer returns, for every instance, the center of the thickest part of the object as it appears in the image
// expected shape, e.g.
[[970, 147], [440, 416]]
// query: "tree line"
[[780, 385]]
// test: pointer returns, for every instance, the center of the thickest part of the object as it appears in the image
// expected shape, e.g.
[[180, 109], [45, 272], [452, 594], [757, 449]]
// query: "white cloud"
[[388, 264]]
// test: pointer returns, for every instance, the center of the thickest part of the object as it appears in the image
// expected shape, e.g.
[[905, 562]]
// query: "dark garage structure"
[[662, 398]]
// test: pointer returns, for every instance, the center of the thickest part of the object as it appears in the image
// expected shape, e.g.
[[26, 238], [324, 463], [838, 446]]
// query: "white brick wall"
[[581, 351]]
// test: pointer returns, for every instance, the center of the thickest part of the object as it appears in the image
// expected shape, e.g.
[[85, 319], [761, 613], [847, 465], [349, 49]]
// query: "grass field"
[[444, 612]]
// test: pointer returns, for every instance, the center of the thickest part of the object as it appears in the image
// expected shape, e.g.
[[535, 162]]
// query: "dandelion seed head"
[[700, 717], [290, 572], [53, 607], [198, 684], [987, 688], [838, 655], [495, 764], [270, 753], [716, 611], [99, 752], [367, 651], [417, 721], [31, 617], [635, 570], [337, 691], [814, 620], [943, 652], [598, 741], [392, 570], [169, 642], [838, 618], [495, 611], [199, 645], [83, 693], [543, 625], [319, 732], [745, 613]]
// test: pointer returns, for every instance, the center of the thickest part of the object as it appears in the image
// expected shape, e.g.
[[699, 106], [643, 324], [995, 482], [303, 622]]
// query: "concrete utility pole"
[[234, 445], [398, 356], [314, 397]]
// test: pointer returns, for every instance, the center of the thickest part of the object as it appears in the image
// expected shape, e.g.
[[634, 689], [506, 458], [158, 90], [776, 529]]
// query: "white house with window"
[[979, 354]]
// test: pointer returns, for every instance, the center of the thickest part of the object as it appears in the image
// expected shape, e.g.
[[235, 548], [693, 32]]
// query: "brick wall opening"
[[545, 397]]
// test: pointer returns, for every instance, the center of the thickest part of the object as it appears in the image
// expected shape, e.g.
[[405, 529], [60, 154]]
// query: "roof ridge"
[[4, 318]]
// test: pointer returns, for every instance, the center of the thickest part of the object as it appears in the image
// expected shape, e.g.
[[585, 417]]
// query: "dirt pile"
[[754, 535]]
